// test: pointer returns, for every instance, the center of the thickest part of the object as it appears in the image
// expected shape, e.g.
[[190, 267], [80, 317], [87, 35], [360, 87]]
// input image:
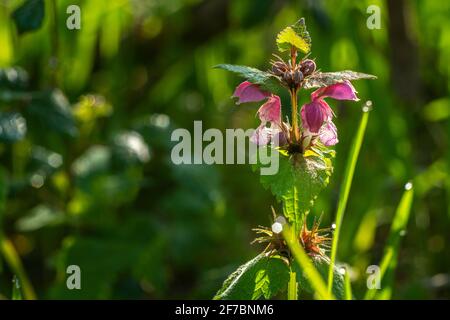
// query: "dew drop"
[[367, 106], [277, 227], [408, 186]]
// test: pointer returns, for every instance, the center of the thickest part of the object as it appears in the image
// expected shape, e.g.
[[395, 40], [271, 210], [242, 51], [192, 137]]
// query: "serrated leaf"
[[13, 127], [323, 79], [322, 265], [295, 35], [29, 16], [264, 79], [299, 181], [260, 277]]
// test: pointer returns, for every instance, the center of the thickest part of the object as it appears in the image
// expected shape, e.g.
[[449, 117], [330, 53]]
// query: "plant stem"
[[293, 93], [345, 190], [292, 286], [294, 129]]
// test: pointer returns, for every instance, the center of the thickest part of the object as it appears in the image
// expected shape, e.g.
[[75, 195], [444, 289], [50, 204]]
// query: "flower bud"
[[288, 78], [307, 67], [298, 76], [279, 68]]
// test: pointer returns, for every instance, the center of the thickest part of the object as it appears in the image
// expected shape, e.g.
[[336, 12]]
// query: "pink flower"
[[249, 92], [269, 113], [328, 134], [317, 113]]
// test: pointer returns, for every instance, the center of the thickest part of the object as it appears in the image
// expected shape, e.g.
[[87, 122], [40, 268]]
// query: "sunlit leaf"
[[296, 36], [265, 79], [323, 79], [260, 277]]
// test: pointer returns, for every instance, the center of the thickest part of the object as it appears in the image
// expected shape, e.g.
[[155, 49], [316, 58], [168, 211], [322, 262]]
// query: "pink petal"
[[249, 92], [314, 114], [328, 134], [261, 136], [271, 110], [338, 91]]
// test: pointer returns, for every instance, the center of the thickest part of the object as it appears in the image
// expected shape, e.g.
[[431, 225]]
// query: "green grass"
[[305, 263], [292, 286], [348, 286], [13, 260], [345, 189], [389, 260]]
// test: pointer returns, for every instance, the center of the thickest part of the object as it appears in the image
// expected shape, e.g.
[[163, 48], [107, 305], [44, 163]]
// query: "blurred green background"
[[85, 170]]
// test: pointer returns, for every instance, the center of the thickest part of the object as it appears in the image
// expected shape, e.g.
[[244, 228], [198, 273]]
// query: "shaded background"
[[89, 181]]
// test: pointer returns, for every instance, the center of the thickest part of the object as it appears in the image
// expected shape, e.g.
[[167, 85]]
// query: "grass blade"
[[13, 260], [389, 260], [292, 286], [345, 188], [16, 290], [306, 265], [348, 286]]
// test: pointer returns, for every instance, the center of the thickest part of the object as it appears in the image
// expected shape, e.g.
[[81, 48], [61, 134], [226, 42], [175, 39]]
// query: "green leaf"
[[40, 217], [260, 277], [299, 181], [50, 109], [324, 79], [29, 16], [14, 78], [295, 35], [266, 80], [437, 110], [130, 148], [13, 127]]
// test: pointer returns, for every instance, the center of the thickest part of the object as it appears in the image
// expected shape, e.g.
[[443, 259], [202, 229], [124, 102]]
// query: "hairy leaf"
[[323, 79], [299, 180], [260, 277], [295, 35], [29, 16], [265, 79]]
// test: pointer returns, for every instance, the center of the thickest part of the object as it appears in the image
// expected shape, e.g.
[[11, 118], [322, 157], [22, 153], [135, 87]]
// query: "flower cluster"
[[316, 116]]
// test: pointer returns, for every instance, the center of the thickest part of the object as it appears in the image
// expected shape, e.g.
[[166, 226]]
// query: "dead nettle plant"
[[295, 256]]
